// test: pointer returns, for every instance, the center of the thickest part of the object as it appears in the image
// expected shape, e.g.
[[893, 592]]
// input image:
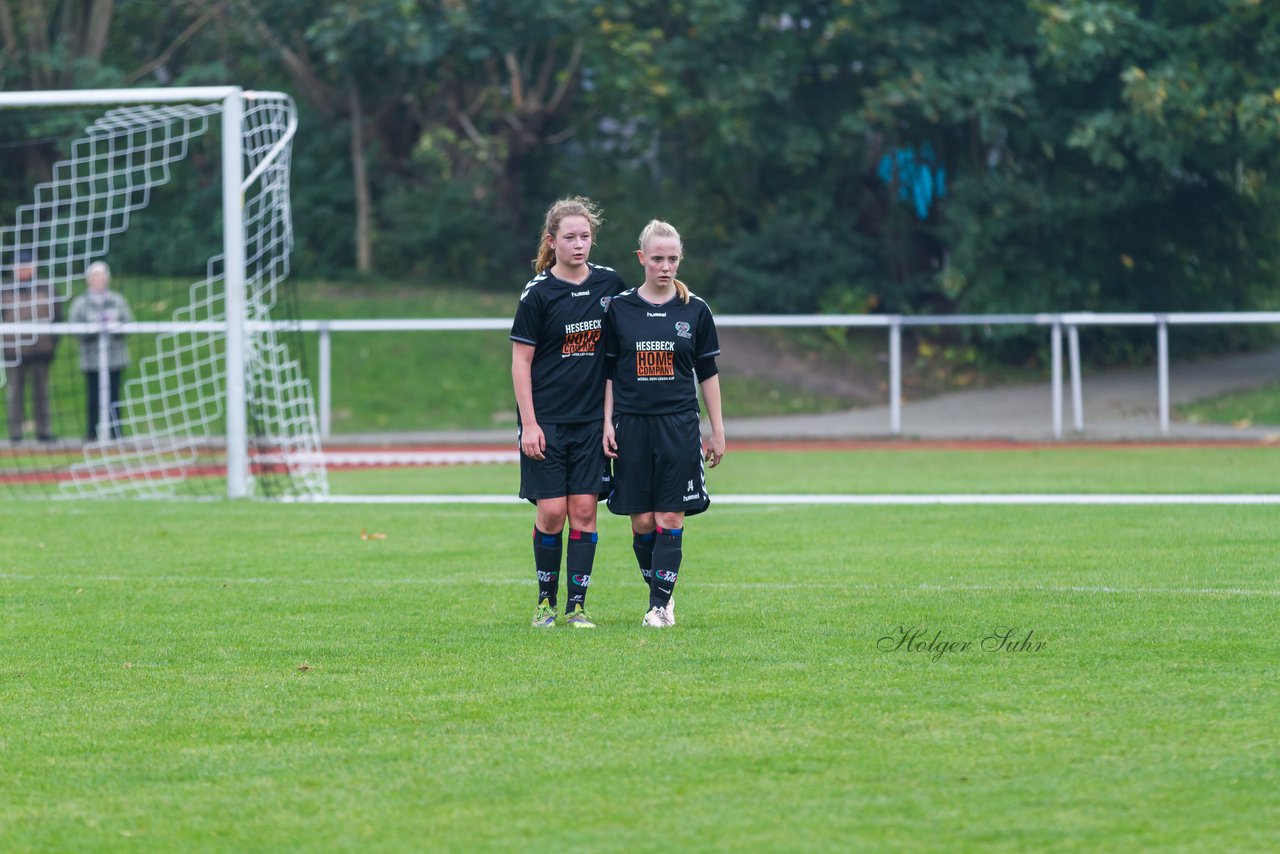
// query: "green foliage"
[[436, 232], [1096, 154]]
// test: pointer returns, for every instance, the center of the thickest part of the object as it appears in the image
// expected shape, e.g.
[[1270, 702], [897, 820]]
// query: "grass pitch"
[[904, 469], [1244, 408], [261, 677]]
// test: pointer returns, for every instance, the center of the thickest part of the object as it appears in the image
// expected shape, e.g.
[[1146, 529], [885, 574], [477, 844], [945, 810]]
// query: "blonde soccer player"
[[660, 347]]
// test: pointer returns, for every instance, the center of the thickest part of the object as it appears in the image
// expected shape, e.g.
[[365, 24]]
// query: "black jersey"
[[562, 321], [656, 347]]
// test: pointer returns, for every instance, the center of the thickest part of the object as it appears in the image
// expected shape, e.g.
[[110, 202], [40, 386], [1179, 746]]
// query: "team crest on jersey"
[[682, 329], [604, 302]]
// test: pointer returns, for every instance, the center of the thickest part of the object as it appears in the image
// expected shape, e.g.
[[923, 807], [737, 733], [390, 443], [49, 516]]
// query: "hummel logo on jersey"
[[586, 293], [655, 314], [690, 486]]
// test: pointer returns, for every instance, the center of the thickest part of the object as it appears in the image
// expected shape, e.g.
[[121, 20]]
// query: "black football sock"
[[579, 558], [667, 552], [642, 545], [546, 559]]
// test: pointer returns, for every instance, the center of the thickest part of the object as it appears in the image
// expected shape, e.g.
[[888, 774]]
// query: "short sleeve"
[[708, 341], [528, 321], [610, 336]]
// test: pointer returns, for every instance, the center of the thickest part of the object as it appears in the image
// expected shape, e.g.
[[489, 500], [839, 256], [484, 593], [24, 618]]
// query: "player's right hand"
[[532, 442], [610, 441]]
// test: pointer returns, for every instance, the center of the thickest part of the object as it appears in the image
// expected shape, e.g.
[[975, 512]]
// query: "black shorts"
[[659, 465], [575, 464]]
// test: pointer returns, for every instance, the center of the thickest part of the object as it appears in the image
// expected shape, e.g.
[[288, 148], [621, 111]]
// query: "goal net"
[[173, 383]]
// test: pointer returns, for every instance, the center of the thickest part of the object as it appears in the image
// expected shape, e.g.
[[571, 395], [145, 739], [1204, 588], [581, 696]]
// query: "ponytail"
[[572, 206], [546, 257]]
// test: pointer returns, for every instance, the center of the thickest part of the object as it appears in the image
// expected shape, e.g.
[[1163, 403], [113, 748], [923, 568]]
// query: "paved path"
[[1118, 405]]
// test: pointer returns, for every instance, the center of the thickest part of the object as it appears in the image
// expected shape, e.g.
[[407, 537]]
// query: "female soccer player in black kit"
[[660, 343], [557, 367]]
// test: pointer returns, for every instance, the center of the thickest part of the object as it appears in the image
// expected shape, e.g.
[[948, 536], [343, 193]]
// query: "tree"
[[500, 89], [1109, 155], [47, 51], [346, 62]]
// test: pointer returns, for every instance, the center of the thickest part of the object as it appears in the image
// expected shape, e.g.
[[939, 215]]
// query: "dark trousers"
[[38, 370], [91, 383]]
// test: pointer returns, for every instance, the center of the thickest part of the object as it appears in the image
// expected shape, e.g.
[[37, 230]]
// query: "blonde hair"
[[658, 228], [572, 206]]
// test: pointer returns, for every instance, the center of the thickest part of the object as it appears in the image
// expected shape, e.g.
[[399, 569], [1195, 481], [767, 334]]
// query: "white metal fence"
[[1059, 325]]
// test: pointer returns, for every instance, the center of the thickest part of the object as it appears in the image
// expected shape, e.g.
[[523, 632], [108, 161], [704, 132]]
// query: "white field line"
[[908, 500], [338, 459], [1101, 590]]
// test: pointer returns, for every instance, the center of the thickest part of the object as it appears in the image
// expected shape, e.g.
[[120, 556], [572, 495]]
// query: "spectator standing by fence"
[[101, 305], [27, 357]]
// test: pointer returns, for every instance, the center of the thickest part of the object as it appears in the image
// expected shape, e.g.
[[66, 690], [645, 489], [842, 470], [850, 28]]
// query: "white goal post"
[[221, 360]]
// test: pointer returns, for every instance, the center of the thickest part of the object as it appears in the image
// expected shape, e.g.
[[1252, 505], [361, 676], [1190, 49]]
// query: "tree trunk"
[[360, 175], [36, 28], [99, 28], [317, 93], [8, 33]]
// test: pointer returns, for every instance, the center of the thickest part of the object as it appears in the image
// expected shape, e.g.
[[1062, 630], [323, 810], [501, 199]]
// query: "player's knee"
[[551, 515], [669, 521], [582, 513]]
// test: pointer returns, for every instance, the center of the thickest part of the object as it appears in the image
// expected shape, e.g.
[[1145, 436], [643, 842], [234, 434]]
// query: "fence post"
[[1055, 344], [103, 429], [1077, 393], [326, 380], [895, 376], [1162, 370]]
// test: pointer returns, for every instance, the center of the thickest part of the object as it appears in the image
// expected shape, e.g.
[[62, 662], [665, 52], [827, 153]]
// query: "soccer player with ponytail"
[[660, 346], [557, 368]]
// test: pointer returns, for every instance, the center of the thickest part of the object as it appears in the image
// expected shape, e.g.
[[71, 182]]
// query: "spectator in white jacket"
[[101, 305]]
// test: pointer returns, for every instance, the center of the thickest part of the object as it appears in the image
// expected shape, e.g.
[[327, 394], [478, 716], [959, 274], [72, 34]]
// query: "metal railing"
[[1057, 323]]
